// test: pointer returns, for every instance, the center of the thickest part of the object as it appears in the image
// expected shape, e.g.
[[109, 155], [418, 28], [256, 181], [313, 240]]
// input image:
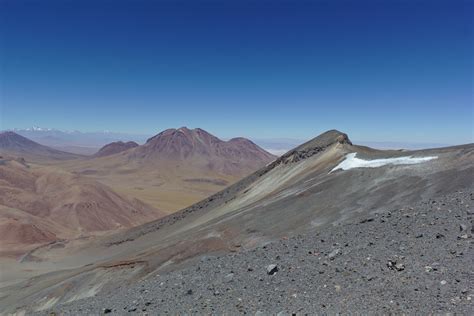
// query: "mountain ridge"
[[17, 145]]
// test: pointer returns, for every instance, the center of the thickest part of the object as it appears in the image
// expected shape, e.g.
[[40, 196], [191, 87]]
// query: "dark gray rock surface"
[[417, 259]]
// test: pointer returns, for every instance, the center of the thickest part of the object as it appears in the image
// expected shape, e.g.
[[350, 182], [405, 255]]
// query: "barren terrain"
[[295, 195]]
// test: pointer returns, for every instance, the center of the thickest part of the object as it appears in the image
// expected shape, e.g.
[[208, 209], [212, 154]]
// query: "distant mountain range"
[[88, 143], [171, 170], [84, 143], [46, 204]]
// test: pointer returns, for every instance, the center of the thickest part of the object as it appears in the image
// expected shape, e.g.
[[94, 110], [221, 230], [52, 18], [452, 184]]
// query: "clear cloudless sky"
[[378, 70]]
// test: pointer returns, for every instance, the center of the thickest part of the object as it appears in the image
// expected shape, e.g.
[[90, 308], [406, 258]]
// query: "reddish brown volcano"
[[115, 148], [196, 146], [175, 168]]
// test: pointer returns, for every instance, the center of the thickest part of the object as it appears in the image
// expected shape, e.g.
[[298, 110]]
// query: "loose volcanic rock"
[[272, 269], [378, 268]]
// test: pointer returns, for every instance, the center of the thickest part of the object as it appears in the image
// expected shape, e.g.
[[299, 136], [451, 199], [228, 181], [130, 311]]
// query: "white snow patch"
[[352, 162]]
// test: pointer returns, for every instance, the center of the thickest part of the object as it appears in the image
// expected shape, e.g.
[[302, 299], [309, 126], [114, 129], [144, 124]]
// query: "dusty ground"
[[161, 188]]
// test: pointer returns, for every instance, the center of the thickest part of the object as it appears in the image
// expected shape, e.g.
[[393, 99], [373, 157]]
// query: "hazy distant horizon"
[[392, 71], [277, 146]]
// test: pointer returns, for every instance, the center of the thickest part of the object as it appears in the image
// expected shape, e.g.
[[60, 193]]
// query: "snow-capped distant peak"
[[38, 129]]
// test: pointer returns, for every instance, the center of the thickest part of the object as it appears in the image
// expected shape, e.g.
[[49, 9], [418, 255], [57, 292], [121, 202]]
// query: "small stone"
[[443, 282], [462, 227], [370, 277], [334, 253], [229, 278], [272, 269], [189, 292], [399, 267], [107, 311], [455, 300]]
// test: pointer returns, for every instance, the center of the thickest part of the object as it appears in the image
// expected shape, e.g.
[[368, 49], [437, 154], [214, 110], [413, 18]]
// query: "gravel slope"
[[412, 260]]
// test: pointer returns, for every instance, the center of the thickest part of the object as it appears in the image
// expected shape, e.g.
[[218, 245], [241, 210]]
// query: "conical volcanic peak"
[[184, 143], [11, 140], [17, 145]]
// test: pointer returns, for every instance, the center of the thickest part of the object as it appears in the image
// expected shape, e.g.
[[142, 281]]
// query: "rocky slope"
[[115, 148], [404, 261]]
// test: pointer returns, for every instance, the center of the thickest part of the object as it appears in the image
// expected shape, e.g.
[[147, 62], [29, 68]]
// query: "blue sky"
[[378, 70]]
